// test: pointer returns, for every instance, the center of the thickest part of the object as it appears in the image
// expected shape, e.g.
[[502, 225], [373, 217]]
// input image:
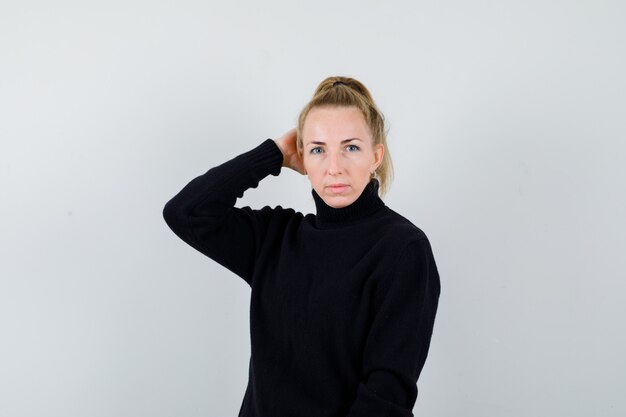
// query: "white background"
[[507, 127]]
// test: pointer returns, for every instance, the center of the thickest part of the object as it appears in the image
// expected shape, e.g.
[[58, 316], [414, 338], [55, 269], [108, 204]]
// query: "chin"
[[339, 201]]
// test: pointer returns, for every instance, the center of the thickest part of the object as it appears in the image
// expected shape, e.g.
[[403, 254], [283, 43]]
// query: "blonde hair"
[[347, 92]]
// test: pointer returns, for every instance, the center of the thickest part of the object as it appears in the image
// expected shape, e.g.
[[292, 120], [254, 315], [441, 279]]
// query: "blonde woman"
[[343, 301]]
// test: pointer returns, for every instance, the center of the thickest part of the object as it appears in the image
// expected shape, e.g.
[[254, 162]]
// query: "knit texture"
[[343, 301]]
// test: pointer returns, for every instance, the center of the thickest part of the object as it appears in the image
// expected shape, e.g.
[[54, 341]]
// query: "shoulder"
[[400, 231], [413, 256]]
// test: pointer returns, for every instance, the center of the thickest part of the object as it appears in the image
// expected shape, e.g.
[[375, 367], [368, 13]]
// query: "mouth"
[[337, 188]]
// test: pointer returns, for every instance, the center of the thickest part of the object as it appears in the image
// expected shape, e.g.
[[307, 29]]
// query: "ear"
[[379, 151], [301, 156]]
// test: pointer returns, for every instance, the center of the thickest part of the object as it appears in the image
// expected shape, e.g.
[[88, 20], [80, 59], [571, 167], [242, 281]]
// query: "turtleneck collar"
[[364, 206]]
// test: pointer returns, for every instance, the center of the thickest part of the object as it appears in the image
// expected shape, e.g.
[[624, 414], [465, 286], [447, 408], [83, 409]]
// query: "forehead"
[[334, 124]]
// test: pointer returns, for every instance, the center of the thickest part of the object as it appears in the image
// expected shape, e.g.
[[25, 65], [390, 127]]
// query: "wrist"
[[282, 150]]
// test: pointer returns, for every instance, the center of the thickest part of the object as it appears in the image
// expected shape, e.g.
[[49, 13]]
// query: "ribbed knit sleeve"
[[203, 213], [398, 341]]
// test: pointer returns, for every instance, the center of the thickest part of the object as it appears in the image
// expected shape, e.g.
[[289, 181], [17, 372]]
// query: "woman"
[[343, 301]]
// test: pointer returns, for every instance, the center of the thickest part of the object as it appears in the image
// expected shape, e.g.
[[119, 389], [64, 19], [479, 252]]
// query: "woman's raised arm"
[[203, 213]]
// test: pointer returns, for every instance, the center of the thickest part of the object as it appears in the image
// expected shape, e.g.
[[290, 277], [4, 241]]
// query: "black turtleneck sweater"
[[343, 302]]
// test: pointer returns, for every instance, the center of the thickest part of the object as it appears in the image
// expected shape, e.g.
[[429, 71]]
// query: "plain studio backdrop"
[[507, 127]]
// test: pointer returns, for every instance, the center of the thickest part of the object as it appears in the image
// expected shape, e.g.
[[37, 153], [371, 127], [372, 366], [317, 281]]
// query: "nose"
[[334, 163]]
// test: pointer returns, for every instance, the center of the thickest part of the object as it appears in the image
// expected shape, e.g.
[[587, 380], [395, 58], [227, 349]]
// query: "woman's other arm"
[[398, 342]]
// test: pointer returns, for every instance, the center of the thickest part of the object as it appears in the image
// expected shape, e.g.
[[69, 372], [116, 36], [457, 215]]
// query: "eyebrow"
[[324, 143]]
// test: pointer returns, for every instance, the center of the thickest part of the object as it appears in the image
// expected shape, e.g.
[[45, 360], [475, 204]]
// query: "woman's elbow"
[[173, 215]]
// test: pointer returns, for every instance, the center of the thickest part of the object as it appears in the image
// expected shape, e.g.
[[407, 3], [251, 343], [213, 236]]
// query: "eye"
[[356, 148], [312, 150]]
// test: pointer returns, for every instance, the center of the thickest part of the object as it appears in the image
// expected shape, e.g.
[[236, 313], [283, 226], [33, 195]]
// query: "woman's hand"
[[291, 158]]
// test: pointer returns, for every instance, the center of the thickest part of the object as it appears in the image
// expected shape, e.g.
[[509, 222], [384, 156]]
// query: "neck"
[[364, 206]]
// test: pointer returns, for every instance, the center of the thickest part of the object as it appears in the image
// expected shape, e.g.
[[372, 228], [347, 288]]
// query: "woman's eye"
[[350, 147]]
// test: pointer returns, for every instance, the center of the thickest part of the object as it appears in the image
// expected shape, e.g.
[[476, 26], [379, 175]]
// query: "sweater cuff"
[[265, 159]]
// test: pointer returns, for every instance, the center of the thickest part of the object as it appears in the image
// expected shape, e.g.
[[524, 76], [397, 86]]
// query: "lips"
[[338, 188]]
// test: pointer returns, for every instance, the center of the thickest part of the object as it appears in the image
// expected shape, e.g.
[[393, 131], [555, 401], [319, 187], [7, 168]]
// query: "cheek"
[[309, 163], [361, 164]]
